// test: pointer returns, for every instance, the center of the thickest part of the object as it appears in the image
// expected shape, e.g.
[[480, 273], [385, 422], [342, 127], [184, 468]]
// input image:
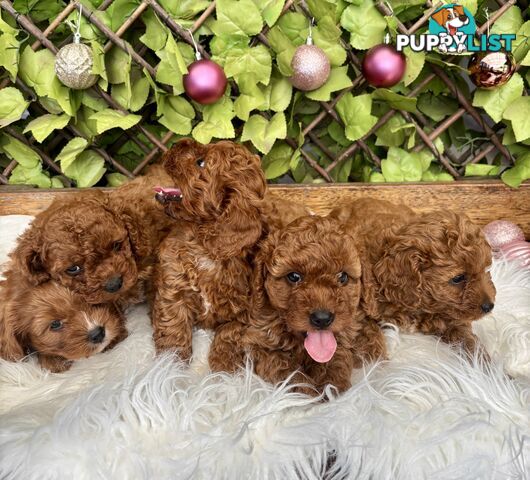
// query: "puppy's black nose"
[[487, 307], [321, 318], [114, 284], [462, 18], [96, 335]]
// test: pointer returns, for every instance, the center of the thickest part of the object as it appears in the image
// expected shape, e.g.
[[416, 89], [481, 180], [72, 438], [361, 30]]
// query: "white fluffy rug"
[[428, 413]]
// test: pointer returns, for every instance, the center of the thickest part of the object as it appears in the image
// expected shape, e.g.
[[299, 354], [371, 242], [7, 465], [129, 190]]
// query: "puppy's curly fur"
[[274, 331], [101, 246], [54, 323], [425, 272], [202, 277]]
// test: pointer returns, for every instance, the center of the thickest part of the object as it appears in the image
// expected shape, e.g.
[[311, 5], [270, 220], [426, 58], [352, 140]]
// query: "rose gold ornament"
[[310, 66], [507, 241]]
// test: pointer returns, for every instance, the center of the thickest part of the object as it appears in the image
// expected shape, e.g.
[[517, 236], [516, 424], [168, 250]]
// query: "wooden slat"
[[482, 201]]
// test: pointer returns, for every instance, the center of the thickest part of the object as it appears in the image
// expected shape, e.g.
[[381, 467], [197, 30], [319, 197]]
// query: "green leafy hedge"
[[260, 106]]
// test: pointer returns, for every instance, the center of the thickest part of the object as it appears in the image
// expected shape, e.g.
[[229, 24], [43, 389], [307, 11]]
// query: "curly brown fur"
[[203, 273], [27, 314], [101, 246], [412, 266], [274, 333]]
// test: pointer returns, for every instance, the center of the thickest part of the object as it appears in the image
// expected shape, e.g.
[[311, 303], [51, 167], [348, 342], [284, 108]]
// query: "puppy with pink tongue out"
[[305, 322]]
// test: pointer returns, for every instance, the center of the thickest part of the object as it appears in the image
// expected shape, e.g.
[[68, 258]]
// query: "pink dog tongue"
[[320, 345]]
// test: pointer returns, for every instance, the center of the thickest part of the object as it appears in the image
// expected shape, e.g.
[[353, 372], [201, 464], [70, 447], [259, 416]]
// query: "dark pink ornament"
[[384, 66], [507, 241], [205, 81]]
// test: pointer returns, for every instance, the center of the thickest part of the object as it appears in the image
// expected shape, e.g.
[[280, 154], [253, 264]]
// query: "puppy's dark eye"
[[116, 246], [74, 270], [343, 278], [200, 163], [459, 279], [294, 277], [56, 325]]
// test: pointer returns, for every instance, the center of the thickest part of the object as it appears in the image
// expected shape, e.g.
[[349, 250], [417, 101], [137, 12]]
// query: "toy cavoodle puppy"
[[55, 324], [305, 315], [101, 246], [426, 272], [202, 275]]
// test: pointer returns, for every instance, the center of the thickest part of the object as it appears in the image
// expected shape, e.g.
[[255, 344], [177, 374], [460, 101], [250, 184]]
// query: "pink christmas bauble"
[[311, 68], [384, 66], [205, 81], [501, 233]]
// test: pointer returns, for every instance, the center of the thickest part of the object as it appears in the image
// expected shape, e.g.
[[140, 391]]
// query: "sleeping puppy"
[[203, 271], [101, 246], [425, 272], [55, 324], [305, 314]]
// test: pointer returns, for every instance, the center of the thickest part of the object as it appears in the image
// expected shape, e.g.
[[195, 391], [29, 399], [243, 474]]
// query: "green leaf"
[[338, 80], [177, 114], [109, 118], [237, 17], [98, 67], [42, 126], [509, 22], [366, 25], [521, 44], [436, 173], [6, 28], [9, 54], [155, 36], [437, 107], [519, 173], [270, 10], [481, 169], [284, 49], [280, 91], [30, 176], [402, 166], [184, 9], [395, 100], [172, 66], [119, 11], [116, 179], [216, 122], [39, 10], [56, 182], [251, 97], [278, 161], [12, 105], [326, 35], [336, 132], [70, 152], [295, 26], [415, 63], [16, 150], [263, 133], [497, 100], [87, 169], [253, 64], [118, 65], [132, 99], [355, 113], [519, 113], [390, 134]]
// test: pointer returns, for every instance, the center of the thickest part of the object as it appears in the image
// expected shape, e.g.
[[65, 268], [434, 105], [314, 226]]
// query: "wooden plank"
[[482, 201]]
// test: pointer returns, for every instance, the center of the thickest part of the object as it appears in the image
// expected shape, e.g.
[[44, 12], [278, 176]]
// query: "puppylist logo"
[[452, 30]]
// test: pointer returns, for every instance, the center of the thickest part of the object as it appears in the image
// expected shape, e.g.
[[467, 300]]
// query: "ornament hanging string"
[[309, 40], [76, 27], [198, 55]]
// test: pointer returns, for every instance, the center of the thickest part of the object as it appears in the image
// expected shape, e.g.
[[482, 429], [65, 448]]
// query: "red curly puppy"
[[425, 272], [101, 246], [55, 324], [305, 315]]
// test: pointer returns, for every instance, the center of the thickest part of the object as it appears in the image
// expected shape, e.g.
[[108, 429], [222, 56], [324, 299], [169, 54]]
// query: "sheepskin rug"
[[427, 413]]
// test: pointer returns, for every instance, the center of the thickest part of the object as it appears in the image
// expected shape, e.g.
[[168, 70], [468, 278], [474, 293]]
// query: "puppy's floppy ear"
[[259, 271], [138, 237], [399, 271], [10, 346], [27, 258], [368, 285], [183, 147], [241, 222], [459, 9]]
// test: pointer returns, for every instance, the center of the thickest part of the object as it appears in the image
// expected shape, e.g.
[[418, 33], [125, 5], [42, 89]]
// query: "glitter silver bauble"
[[310, 67], [73, 66]]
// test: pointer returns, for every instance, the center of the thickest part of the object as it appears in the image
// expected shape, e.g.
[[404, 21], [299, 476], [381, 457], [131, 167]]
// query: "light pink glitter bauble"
[[311, 68], [507, 241], [502, 232]]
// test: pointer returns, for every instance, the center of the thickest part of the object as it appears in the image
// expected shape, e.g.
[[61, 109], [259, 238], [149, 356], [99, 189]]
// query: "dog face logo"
[[455, 21]]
